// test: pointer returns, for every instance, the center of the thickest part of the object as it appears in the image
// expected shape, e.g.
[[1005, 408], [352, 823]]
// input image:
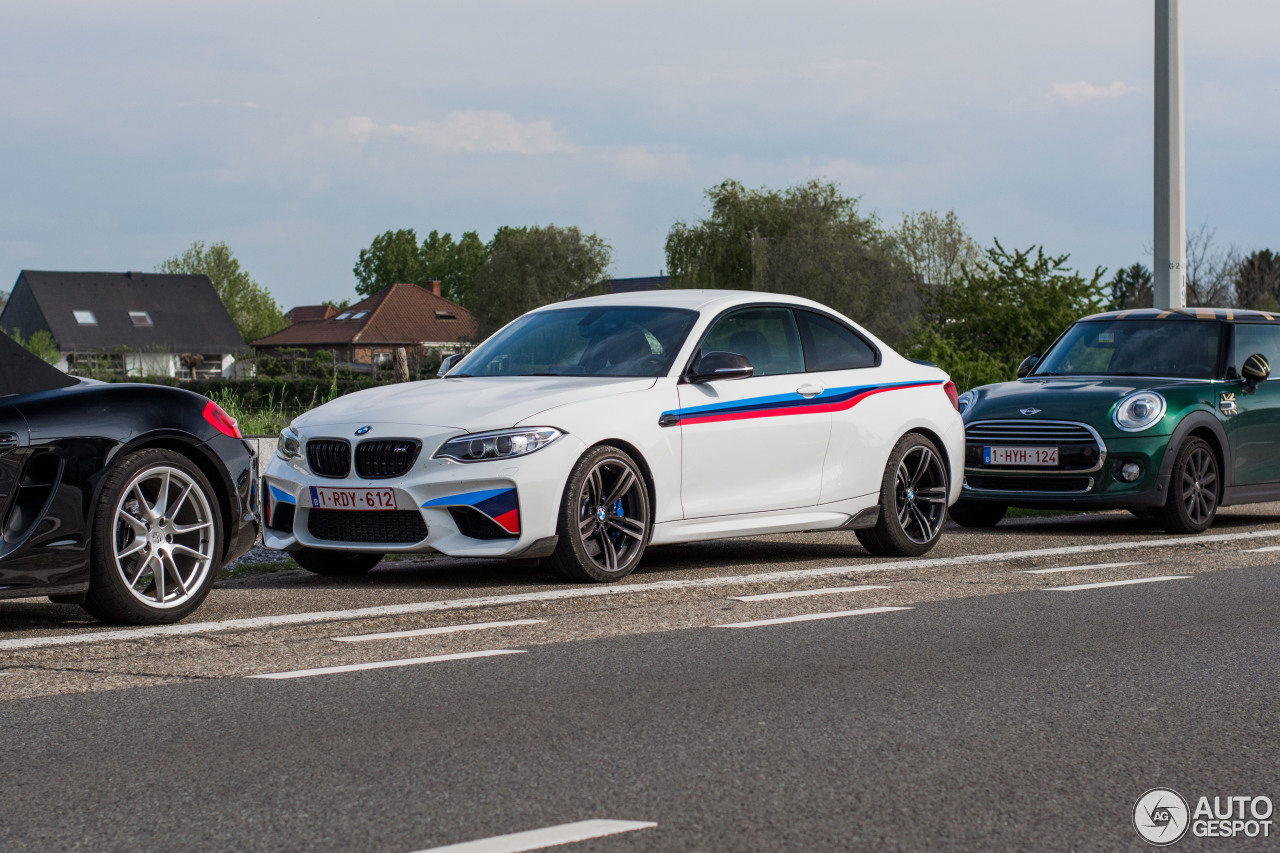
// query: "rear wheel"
[[334, 562], [913, 501], [1192, 502], [976, 514], [604, 518], [157, 540]]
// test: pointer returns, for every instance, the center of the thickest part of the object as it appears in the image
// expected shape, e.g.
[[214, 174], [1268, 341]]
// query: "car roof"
[[1188, 314], [696, 300]]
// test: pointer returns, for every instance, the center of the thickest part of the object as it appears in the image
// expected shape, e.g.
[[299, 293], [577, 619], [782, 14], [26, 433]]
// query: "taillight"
[[221, 421], [952, 394]]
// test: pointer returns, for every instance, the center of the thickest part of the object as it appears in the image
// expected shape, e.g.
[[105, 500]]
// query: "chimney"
[[435, 286]]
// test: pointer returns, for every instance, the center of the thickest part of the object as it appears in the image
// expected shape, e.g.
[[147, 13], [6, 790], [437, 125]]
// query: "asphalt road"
[[976, 707]]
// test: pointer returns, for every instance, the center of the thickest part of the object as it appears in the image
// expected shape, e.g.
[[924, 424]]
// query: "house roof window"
[[345, 315], [141, 319], [446, 315], [85, 318], [360, 314]]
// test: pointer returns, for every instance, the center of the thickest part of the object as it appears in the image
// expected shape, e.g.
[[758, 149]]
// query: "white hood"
[[473, 404]]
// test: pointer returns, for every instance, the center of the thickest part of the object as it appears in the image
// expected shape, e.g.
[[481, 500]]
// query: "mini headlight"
[[290, 446], [1138, 411], [965, 401], [503, 444]]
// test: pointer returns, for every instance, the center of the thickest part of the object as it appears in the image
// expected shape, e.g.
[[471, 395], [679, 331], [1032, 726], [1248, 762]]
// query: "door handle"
[[809, 390]]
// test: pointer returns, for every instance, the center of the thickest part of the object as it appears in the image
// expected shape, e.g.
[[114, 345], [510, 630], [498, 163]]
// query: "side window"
[[829, 345], [766, 336], [1261, 338]]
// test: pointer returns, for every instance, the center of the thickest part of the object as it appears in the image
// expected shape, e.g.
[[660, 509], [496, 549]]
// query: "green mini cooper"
[[1164, 413]]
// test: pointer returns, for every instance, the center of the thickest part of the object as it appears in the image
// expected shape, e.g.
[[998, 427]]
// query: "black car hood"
[[1065, 398], [24, 373]]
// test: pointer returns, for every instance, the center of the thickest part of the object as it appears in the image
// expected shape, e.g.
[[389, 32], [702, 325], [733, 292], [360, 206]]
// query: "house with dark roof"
[[129, 324], [367, 333]]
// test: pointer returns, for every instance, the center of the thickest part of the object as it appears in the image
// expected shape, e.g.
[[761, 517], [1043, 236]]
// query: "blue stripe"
[[281, 496], [786, 401], [466, 499]]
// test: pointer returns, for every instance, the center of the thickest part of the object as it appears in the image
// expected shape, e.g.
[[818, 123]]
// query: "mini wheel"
[[604, 519], [334, 563], [1192, 502], [913, 501]]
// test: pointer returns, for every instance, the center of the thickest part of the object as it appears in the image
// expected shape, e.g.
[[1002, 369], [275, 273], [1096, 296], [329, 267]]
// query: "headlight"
[[1138, 411], [965, 400], [503, 444], [290, 446]]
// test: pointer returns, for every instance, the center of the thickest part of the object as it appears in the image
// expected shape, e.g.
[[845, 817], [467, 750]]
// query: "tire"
[[913, 501], [1192, 502], [977, 514], [605, 518], [335, 563], [157, 510]]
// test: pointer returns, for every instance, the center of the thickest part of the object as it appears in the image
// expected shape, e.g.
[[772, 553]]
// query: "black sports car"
[[123, 498]]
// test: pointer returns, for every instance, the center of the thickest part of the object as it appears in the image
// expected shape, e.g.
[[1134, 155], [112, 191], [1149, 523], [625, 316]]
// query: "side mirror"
[[1028, 364], [720, 365], [1255, 369], [448, 363]]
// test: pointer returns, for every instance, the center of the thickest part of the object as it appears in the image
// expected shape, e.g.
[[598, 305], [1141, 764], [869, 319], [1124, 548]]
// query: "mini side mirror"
[[1255, 369], [449, 362], [720, 365], [1028, 364]]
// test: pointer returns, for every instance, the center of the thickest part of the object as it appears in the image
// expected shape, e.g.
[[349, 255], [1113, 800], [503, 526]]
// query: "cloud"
[[469, 131], [1078, 93]]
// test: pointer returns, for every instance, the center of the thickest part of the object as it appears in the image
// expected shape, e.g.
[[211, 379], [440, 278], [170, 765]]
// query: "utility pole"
[[1170, 273]]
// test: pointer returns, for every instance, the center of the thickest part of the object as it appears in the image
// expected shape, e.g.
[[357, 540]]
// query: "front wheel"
[[1192, 501], [604, 519], [334, 563], [913, 501]]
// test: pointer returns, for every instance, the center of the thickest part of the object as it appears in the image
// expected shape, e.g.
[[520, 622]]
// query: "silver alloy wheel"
[[1200, 485], [920, 494], [613, 514], [163, 537]]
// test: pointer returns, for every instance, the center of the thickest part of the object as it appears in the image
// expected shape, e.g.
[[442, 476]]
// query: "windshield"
[[1176, 348], [623, 341]]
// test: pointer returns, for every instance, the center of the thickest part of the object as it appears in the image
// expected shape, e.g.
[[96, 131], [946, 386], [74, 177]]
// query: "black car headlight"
[[502, 444], [1138, 411], [290, 446]]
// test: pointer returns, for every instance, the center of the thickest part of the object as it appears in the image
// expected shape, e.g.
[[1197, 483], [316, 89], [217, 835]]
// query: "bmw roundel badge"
[[363, 430]]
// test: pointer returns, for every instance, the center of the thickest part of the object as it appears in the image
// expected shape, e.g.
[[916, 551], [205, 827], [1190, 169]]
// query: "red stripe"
[[510, 521], [798, 410]]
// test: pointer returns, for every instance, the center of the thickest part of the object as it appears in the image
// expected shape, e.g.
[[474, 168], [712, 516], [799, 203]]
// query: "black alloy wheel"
[[604, 519], [913, 501], [1192, 502]]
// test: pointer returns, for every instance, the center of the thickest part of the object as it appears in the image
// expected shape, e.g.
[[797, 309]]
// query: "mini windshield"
[[1183, 349], [615, 341]]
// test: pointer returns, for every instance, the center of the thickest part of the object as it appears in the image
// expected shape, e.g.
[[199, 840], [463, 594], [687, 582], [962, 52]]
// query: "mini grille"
[[377, 460], [401, 526], [1028, 432], [329, 457], [1061, 485]]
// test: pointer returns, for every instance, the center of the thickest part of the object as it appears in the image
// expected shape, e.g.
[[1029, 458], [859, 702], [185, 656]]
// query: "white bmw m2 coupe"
[[586, 431]]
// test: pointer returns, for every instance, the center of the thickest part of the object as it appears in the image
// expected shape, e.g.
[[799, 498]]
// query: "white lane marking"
[[551, 836], [1080, 568], [446, 629], [287, 619], [810, 617], [385, 664], [1266, 550], [802, 593], [1080, 586]]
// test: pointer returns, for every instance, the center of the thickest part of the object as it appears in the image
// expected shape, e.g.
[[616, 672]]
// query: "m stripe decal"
[[831, 400]]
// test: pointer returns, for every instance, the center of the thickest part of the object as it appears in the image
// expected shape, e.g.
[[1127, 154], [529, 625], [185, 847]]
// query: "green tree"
[[454, 265], [251, 306], [1016, 305], [808, 240], [396, 256], [535, 266], [392, 258], [1131, 288], [938, 248], [1257, 281], [40, 344]]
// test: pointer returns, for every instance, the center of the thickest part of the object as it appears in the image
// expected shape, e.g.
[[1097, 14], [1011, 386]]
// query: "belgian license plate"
[[324, 497], [1020, 456]]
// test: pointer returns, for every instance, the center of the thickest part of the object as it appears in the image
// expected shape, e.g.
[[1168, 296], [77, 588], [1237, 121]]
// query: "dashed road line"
[[1081, 568], [1267, 550], [384, 664], [540, 839], [444, 629], [811, 617], [803, 593], [1103, 584], [288, 619]]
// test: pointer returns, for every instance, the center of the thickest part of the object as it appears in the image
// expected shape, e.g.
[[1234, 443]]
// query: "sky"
[[298, 131]]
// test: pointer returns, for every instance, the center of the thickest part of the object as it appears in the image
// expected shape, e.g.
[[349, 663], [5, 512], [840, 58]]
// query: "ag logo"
[[1161, 816], [1227, 403], [363, 430], [1029, 412]]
